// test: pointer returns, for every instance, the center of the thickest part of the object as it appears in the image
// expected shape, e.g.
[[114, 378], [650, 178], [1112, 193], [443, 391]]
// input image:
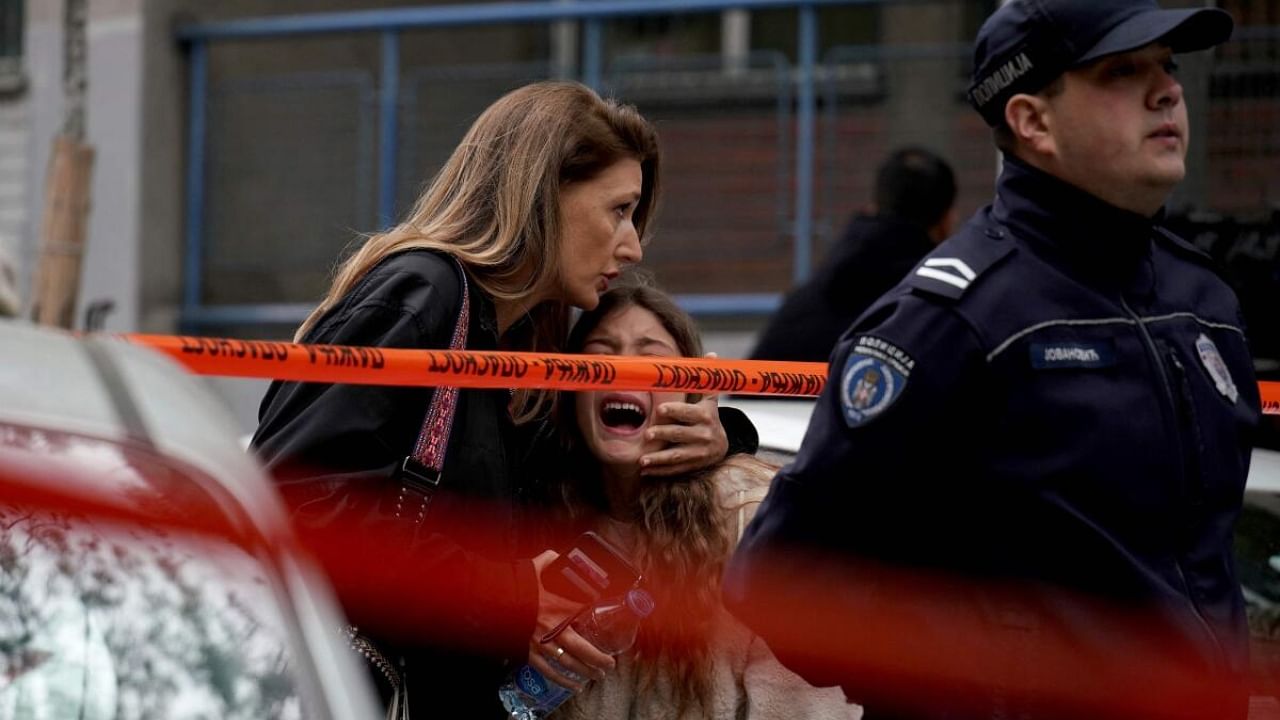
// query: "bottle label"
[[531, 682]]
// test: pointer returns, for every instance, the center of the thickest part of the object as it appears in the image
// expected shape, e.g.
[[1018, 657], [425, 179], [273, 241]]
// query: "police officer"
[[1042, 431]]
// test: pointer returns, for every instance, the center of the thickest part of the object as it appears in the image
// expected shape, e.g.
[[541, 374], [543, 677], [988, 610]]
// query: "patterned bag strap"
[[421, 472]]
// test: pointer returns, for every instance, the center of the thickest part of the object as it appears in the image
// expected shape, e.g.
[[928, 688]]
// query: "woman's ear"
[[1030, 121]]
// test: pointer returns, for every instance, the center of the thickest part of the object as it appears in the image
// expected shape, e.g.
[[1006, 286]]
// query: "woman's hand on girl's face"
[[694, 435]]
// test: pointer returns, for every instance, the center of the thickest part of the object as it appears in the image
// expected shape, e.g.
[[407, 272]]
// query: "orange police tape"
[[1270, 397], [470, 369]]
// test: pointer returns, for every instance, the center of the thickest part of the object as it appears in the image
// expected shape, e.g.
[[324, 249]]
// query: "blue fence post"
[[805, 112], [826, 230], [785, 162], [197, 103], [592, 53], [389, 127]]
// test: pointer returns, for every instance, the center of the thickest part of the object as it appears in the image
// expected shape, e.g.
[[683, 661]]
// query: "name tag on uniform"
[[1052, 356]]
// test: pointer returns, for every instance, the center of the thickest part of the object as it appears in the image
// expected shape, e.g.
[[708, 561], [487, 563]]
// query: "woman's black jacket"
[[461, 606]]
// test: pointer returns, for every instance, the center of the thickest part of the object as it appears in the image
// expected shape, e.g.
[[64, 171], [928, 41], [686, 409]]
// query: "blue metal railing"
[[473, 14], [390, 23], [194, 225], [806, 105]]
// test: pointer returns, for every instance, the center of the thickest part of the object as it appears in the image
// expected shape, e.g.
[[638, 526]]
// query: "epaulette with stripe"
[[952, 268]]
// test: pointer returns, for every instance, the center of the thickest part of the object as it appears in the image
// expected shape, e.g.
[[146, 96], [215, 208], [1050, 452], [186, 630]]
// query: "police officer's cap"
[[1027, 44]]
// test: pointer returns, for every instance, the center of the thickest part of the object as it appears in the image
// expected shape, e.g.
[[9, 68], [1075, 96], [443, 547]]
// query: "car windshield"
[[101, 618]]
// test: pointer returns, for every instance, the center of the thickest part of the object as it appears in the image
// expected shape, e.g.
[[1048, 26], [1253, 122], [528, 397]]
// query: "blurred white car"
[[147, 569]]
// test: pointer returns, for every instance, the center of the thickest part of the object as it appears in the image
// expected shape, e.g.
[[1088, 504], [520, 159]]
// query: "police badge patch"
[[1217, 368], [874, 376]]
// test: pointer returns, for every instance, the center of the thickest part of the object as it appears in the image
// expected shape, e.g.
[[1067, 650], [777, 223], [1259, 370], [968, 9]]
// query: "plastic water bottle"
[[610, 625]]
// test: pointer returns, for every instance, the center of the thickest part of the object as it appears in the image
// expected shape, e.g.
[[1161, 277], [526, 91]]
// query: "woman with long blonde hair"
[[543, 203], [691, 659]]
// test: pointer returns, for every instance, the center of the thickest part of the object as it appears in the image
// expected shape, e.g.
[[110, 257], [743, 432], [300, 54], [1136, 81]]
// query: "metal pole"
[[388, 135], [806, 103], [592, 53], [735, 40], [196, 106], [564, 46]]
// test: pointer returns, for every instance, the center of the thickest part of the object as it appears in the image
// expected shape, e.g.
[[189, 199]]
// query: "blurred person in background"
[[543, 203], [692, 659], [914, 210], [1026, 468]]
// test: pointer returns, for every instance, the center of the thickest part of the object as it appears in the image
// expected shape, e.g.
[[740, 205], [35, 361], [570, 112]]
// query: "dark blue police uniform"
[[1059, 396]]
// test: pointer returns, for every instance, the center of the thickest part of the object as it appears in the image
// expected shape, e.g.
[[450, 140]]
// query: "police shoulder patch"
[[873, 378]]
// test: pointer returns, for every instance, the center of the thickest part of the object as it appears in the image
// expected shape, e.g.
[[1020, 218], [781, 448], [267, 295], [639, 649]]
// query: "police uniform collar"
[[1046, 210]]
